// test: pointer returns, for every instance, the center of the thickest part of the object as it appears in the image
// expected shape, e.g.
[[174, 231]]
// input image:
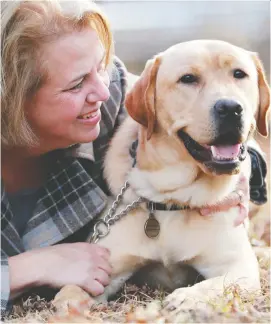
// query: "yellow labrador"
[[193, 110]]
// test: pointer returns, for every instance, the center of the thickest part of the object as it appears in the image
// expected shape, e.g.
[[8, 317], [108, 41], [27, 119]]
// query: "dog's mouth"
[[221, 157]]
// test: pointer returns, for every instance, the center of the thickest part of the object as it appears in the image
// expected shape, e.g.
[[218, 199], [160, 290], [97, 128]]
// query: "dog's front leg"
[[114, 286], [242, 273], [201, 294], [75, 297]]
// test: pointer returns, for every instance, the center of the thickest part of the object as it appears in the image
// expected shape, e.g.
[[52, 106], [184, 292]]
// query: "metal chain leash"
[[102, 226]]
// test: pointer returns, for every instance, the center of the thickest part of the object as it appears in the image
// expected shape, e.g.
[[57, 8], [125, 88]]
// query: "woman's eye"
[[78, 86], [239, 74], [189, 78]]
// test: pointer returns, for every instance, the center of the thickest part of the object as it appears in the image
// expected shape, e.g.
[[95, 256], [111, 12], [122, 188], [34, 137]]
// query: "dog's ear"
[[264, 98], [140, 101]]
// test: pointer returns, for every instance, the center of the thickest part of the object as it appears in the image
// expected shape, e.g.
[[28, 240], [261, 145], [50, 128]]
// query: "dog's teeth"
[[226, 152]]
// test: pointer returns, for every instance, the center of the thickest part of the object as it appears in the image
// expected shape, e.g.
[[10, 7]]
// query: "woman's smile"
[[90, 118]]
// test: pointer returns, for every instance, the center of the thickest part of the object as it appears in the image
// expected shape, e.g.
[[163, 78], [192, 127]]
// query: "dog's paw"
[[185, 300], [101, 299], [72, 297]]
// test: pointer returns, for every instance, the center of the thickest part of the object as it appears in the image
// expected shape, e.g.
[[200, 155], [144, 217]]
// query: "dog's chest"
[[185, 235]]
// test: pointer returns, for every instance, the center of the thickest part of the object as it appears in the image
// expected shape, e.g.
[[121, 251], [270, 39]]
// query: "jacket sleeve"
[[257, 183], [5, 286]]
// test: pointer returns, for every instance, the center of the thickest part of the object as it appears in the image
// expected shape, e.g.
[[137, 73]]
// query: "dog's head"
[[209, 95]]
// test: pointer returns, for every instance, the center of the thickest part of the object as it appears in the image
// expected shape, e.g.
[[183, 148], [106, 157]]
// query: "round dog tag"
[[152, 226]]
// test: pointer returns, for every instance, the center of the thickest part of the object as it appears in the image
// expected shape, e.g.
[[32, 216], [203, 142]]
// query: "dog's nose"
[[226, 108]]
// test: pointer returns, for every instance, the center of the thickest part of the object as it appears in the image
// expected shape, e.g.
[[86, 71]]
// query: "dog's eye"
[[189, 78], [239, 74]]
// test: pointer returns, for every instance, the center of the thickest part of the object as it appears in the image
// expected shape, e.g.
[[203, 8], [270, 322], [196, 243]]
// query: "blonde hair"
[[26, 25]]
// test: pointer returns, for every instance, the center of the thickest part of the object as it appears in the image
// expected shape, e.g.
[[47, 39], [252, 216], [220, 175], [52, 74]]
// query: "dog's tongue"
[[226, 151]]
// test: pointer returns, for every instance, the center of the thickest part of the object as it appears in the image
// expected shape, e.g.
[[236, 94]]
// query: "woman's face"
[[66, 109]]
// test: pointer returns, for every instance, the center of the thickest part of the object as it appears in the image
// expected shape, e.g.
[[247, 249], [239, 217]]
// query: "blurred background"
[[144, 28]]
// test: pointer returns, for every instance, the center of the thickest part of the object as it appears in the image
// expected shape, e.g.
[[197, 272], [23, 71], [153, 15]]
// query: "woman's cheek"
[[74, 105]]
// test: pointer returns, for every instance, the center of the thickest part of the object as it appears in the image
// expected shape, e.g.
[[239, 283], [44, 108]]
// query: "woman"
[[56, 61], [62, 99]]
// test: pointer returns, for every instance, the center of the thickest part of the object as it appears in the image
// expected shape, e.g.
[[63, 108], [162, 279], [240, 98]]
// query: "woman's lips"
[[88, 115], [90, 118]]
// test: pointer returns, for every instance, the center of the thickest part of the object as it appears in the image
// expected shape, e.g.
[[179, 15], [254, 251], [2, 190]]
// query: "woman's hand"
[[239, 197], [82, 264]]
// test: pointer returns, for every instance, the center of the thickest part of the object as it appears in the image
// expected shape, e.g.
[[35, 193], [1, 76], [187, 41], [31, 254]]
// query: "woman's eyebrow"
[[79, 77], [85, 74]]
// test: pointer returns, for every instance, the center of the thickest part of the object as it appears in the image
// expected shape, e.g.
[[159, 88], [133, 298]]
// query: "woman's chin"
[[90, 136]]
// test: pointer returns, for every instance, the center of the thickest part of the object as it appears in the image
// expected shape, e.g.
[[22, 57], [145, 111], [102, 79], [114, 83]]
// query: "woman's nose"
[[99, 92]]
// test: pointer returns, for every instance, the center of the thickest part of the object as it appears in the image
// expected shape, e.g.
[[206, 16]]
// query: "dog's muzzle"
[[229, 120], [218, 158], [227, 149]]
